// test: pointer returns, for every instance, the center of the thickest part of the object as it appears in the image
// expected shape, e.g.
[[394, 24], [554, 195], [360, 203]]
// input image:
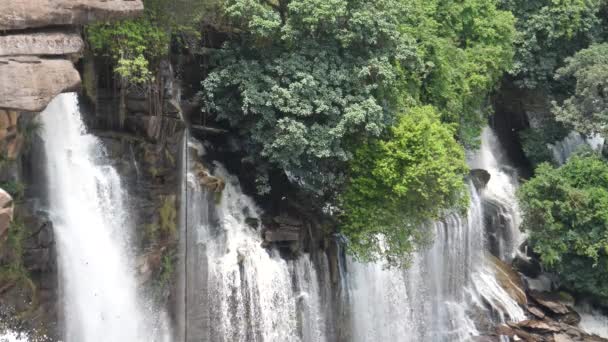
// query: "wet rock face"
[[480, 178], [37, 65]]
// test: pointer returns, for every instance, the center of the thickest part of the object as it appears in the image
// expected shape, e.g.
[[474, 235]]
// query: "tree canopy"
[[587, 109], [397, 184], [548, 32], [566, 215], [308, 78], [321, 90]]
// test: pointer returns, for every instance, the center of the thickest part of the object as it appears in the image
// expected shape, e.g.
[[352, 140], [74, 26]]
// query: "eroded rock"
[[550, 301], [41, 44], [30, 83], [22, 14], [480, 178]]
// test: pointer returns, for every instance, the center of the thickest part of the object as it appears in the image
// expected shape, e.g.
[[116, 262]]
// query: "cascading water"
[[235, 289], [88, 209], [563, 149], [451, 286]]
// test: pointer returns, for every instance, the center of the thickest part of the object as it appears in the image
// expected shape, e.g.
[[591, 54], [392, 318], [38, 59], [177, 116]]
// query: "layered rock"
[[42, 43], [22, 14], [37, 64], [30, 83]]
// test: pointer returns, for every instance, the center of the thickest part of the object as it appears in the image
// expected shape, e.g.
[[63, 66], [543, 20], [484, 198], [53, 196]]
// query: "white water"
[[87, 206], [449, 287], [562, 150], [236, 290], [593, 321], [499, 196], [12, 337]]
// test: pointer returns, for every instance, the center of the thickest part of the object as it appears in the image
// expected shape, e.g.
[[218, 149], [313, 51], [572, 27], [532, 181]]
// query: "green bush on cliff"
[[566, 215], [398, 184], [136, 46]]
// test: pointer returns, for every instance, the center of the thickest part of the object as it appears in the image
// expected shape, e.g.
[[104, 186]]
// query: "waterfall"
[[593, 321], [563, 149], [235, 289], [88, 208], [451, 288]]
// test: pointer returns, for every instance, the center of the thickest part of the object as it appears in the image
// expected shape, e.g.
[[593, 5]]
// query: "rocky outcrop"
[[42, 44], [6, 213], [480, 178], [22, 14], [545, 331], [30, 83], [29, 77]]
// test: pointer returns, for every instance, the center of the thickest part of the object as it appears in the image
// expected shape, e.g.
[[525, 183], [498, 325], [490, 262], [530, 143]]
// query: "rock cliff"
[[38, 46]]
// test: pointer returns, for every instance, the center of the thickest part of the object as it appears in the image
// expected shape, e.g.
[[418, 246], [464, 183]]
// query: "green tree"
[[587, 108], [399, 184], [304, 80], [549, 31], [466, 47], [566, 215]]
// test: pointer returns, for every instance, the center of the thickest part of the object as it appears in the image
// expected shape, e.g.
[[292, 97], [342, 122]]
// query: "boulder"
[[41, 44], [30, 83], [538, 326], [480, 178], [538, 313], [6, 213], [550, 301], [22, 14]]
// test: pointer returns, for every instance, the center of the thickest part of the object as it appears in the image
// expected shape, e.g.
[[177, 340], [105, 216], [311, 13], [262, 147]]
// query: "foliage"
[[466, 47], [549, 31], [400, 183], [566, 214], [14, 188], [307, 79], [136, 46], [587, 108], [535, 140]]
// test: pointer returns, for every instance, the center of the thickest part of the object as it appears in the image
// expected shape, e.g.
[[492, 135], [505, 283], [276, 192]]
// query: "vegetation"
[[315, 88], [534, 140], [399, 183], [137, 46], [548, 32], [466, 46], [308, 79], [566, 215], [587, 108]]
